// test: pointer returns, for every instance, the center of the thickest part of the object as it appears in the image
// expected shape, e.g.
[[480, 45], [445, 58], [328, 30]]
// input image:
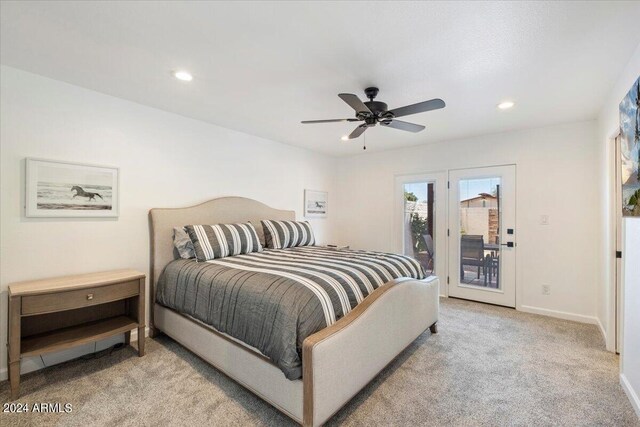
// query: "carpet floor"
[[487, 366]]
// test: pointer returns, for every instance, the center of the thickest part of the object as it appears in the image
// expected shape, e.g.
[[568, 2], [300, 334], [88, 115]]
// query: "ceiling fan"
[[376, 112]]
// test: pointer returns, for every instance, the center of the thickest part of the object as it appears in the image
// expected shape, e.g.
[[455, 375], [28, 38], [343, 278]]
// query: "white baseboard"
[[561, 315], [28, 364], [609, 346], [134, 333], [631, 393]]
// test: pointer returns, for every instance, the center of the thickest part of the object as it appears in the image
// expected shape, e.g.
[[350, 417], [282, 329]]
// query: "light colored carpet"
[[487, 366]]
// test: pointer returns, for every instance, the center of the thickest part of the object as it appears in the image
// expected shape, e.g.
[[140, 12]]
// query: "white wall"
[[630, 363], [165, 160], [608, 124], [555, 176]]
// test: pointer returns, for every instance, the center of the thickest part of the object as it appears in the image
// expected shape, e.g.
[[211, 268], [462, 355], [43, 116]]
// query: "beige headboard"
[[223, 210]]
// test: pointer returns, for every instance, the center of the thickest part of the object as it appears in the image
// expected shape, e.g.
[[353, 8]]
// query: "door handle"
[[508, 244]]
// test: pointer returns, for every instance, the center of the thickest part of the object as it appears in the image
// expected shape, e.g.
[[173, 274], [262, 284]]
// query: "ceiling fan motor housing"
[[377, 107]]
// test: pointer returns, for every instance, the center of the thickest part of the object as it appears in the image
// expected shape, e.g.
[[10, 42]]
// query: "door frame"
[[451, 232], [613, 334], [441, 223]]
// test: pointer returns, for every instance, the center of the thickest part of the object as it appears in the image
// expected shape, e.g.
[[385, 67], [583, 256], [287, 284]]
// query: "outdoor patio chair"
[[428, 242], [493, 268], [472, 254]]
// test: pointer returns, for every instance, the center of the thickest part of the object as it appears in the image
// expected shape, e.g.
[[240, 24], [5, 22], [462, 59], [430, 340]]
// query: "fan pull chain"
[[364, 145]]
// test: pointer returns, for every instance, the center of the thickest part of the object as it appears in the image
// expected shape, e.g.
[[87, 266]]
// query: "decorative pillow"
[[222, 240], [287, 234], [183, 243]]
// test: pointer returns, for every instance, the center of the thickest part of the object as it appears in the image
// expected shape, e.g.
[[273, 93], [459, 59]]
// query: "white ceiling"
[[263, 67]]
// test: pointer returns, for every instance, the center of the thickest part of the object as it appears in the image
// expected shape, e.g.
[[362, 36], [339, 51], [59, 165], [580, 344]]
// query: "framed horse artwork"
[[315, 204], [70, 190]]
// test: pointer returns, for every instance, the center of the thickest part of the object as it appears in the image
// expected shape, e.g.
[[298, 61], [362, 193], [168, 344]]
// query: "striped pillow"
[[287, 234], [222, 240]]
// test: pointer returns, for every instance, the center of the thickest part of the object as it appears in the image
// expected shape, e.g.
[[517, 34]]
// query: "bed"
[[356, 347]]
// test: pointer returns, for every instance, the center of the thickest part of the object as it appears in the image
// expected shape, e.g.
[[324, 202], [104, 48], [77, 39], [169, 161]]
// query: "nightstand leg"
[[127, 338], [14, 379], [141, 341], [141, 317], [15, 323]]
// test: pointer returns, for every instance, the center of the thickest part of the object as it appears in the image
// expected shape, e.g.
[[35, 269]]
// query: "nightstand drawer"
[[47, 303]]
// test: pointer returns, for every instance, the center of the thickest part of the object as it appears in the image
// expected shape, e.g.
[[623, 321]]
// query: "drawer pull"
[[90, 296]]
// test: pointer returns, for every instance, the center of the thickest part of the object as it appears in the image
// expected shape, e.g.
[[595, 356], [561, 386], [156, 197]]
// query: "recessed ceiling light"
[[185, 76], [506, 105], [344, 137]]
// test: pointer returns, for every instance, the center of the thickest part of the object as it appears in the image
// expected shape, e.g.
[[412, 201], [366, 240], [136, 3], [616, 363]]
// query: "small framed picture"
[[65, 189], [315, 203]]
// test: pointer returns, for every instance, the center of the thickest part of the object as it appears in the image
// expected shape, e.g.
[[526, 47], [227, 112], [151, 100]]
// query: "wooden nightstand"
[[55, 314]]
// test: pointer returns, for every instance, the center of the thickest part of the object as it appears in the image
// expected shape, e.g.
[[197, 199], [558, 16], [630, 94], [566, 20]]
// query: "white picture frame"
[[59, 189], [316, 204]]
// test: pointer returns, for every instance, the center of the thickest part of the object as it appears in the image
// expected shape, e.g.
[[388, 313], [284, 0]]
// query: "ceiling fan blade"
[[420, 107], [398, 124], [354, 102], [358, 131], [328, 121]]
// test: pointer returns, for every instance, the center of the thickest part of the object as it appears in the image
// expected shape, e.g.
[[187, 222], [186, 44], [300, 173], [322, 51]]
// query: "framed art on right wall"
[[315, 203], [630, 151]]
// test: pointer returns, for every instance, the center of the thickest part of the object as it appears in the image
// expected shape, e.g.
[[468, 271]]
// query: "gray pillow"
[[183, 243], [287, 234], [223, 240]]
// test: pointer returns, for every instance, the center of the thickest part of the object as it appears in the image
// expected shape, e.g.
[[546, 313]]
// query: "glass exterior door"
[[421, 221], [482, 234]]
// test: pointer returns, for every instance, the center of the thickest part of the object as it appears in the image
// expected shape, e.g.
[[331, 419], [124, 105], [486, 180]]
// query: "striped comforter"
[[273, 300]]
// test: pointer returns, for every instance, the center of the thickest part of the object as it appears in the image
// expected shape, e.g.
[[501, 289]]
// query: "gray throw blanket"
[[273, 300]]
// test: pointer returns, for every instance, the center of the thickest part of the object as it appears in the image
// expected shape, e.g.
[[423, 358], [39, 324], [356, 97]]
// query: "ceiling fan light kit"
[[373, 113]]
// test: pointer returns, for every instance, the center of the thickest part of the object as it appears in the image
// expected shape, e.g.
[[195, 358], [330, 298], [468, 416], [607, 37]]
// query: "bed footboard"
[[361, 344]]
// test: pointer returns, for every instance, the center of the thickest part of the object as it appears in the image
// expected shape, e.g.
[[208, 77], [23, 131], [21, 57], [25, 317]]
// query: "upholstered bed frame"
[[338, 361]]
